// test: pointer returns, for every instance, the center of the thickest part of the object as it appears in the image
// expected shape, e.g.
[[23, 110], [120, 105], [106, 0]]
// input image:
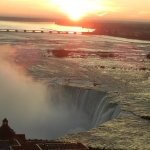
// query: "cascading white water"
[[95, 104], [64, 110]]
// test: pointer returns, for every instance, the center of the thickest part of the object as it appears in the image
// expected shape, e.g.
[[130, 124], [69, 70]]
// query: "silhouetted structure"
[[5, 131], [9, 140]]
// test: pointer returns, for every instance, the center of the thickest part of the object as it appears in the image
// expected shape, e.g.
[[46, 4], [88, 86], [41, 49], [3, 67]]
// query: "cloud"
[[102, 14]]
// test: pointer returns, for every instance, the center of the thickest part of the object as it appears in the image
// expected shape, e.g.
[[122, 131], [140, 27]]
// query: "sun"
[[75, 13], [75, 9]]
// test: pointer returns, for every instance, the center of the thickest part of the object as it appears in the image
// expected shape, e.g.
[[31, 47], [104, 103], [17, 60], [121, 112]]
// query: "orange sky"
[[77, 9]]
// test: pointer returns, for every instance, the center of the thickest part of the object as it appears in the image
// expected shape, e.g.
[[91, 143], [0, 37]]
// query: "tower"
[[5, 131], [5, 122]]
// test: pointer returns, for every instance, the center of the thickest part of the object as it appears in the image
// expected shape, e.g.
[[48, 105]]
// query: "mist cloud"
[[28, 105]]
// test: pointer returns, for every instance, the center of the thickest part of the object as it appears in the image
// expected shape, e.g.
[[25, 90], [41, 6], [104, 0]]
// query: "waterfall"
[[95, 104]]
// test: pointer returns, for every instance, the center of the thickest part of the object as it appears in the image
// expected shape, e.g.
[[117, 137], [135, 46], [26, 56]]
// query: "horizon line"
[[49, 19]]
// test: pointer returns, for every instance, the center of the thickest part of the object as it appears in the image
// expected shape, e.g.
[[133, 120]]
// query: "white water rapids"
[[49, 112]]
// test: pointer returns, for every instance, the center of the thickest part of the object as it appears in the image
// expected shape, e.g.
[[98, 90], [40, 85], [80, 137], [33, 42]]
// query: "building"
[[9, 140]]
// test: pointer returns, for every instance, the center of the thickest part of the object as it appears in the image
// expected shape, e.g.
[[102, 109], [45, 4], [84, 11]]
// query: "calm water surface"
[[40, 26]]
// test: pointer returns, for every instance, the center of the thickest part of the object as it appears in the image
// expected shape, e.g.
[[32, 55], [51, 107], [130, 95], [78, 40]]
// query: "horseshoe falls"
[[87, 108]]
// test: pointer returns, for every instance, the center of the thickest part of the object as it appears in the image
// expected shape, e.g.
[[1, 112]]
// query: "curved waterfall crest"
[[95, 104]]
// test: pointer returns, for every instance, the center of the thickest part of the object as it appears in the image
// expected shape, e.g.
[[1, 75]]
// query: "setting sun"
[[76, 9], [73, 13]]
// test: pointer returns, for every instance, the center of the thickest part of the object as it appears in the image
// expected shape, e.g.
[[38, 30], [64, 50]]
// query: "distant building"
[[9, 140]]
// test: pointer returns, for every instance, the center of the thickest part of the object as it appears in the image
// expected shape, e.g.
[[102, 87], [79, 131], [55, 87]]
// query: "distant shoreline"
[[119, 35], [27, 19], [67, 21], [123, 29]]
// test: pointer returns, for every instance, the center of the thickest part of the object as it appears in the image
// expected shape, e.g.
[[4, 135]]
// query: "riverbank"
[[123, 29]]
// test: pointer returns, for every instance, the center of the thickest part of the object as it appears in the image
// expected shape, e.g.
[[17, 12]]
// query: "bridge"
[[43, 31]]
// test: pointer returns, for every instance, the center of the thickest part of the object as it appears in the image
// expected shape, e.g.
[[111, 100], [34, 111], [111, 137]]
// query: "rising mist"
[[30, 106]]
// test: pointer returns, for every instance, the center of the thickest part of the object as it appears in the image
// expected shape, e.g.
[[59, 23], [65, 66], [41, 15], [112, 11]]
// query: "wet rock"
[[60, 53], [102, 67], [148, 56], [145, 117]]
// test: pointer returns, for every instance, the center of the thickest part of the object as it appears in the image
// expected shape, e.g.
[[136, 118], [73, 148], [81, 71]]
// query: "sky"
[[78, 9]]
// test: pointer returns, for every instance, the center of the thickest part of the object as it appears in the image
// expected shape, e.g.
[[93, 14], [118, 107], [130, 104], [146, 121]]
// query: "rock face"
[[60, 53]]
